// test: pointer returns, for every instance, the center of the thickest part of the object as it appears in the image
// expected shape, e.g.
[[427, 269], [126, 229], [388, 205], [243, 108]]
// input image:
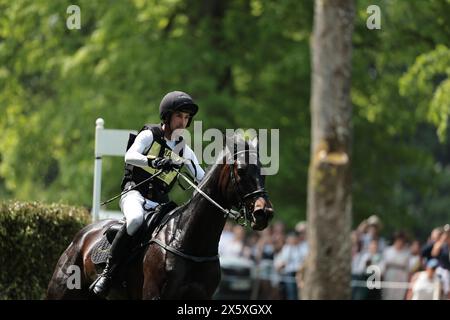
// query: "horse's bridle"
[[242, 207]]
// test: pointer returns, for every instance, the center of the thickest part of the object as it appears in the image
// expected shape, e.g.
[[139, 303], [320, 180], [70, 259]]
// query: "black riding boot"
[[119, 249]]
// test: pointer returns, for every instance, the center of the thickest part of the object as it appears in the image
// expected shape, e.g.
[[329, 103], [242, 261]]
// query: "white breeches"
[[132, 205]]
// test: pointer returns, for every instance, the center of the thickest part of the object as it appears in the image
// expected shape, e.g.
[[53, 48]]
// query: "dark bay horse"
[[182, 263]]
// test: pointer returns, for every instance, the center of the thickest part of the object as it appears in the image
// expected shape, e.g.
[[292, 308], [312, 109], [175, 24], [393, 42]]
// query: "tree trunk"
[[327, 273]]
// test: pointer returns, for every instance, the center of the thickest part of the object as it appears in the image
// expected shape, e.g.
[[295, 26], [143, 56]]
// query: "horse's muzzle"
[[262, 214]]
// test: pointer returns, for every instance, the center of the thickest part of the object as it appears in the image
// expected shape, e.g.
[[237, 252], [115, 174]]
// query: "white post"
[[97, 171]]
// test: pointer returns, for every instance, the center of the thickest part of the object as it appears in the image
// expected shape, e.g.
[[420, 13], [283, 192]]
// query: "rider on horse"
[[152, 150]]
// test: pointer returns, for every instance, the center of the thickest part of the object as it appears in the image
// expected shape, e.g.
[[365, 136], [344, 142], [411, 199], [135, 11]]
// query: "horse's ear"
[[229, 142], [224, 138], [254, 142]]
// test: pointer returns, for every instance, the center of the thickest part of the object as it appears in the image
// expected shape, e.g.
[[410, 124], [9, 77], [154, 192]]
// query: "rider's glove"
[[163, 163]]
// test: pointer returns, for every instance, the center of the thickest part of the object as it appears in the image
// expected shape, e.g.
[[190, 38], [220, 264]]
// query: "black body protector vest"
[[157, 188]]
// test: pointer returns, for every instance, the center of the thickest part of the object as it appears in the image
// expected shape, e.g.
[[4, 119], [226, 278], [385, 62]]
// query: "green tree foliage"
[[400, 168], [428, 83]]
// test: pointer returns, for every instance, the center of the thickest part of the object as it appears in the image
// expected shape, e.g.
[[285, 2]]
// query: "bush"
[[32, 237]]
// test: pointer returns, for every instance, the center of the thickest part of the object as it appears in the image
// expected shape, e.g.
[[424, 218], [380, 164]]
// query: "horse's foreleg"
[[153, 269], [151, 287]]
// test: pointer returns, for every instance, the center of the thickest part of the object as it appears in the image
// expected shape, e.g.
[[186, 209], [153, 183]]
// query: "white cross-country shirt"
[[136, 154]]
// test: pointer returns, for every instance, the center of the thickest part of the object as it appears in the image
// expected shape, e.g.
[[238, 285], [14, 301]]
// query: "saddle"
[[153, 219]]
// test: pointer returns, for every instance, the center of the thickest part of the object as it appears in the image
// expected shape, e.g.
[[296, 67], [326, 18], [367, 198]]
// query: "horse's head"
[[246, 185]]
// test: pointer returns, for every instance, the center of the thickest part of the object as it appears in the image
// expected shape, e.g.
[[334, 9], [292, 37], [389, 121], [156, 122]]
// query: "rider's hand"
[[164, 163]]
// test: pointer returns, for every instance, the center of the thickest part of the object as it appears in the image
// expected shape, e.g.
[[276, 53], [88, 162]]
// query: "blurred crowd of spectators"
[[277, 255], [406, 268], [402, 268]]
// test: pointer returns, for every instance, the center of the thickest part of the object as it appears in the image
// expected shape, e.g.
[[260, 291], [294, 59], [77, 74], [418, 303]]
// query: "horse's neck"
[[202, 222]]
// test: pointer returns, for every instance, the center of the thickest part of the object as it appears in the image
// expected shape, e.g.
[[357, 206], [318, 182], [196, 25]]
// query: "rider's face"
[[179, 120]]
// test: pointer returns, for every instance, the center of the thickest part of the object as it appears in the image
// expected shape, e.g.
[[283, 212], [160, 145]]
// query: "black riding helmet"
[[177, 101]]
